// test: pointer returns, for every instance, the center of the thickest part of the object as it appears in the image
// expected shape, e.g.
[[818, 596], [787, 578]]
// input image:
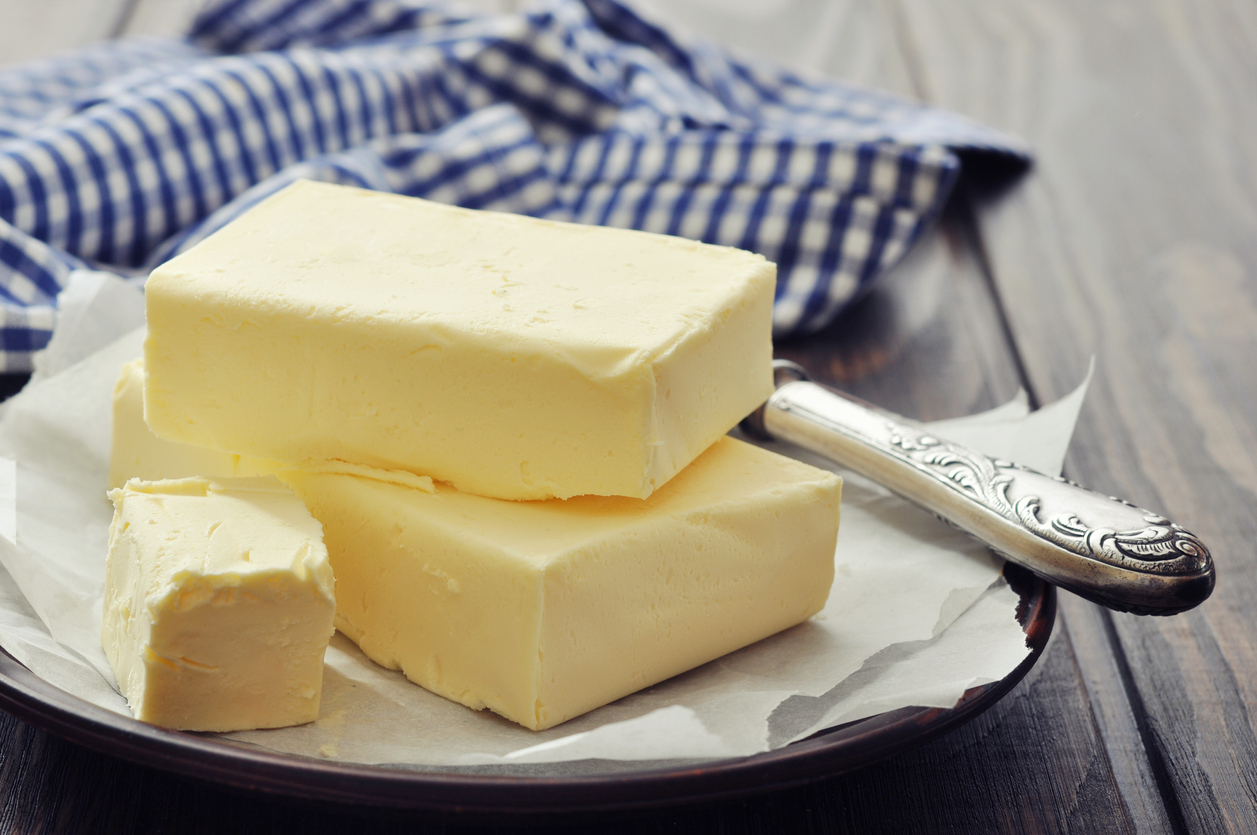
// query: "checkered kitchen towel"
[[118, 156]]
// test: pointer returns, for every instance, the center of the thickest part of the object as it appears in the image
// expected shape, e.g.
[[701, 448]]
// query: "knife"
[[1099, 547]]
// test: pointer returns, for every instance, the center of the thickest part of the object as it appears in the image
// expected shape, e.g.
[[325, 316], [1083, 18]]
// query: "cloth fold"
[[119, 156]]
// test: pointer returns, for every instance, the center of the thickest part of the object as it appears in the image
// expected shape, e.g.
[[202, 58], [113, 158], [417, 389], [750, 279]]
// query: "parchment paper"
[[918, 612]]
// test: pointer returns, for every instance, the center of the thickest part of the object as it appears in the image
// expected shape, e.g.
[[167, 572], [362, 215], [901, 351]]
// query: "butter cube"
[[542, 611], [508, 356], [218, 604]]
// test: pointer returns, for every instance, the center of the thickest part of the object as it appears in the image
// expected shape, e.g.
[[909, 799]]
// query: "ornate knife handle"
[[1099, 547]]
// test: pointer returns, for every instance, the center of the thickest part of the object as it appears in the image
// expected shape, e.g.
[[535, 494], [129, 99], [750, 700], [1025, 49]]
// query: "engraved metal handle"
[[1099, 547]]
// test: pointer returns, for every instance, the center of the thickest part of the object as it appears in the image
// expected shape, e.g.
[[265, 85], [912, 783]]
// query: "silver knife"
[[1102, 548]]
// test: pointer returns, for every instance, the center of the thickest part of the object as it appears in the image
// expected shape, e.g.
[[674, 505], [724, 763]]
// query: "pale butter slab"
[[135, 452], [542, 611], [509, 356], [218, 604]]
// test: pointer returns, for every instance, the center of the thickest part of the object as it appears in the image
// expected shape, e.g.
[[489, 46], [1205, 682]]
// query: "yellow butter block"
[[542, 611], [508, 356], [135, 452], [218, 604]]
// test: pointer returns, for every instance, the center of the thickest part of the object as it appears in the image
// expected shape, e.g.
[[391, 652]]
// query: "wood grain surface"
[[1134, 240]]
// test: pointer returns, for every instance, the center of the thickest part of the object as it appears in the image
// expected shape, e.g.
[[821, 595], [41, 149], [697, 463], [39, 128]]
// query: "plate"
[[830, 752]]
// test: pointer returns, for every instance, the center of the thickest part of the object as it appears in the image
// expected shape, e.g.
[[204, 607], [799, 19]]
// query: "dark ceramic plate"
[[830, 752]]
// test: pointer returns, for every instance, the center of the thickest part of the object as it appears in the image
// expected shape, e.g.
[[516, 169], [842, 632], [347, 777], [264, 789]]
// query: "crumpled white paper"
[[917, 615]]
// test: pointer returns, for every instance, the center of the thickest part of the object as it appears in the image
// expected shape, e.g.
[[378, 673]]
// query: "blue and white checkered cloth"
[[119, 156]]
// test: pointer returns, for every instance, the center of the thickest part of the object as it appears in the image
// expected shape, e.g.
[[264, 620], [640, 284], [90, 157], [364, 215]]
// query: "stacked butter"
[[511, 430]]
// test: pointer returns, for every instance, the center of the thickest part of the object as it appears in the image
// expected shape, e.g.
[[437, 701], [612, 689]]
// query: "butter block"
[[508, 356], [135, 452], [541, 611], [218, 603]]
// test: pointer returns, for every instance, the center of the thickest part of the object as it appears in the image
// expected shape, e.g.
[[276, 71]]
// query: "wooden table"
[[1133, 240]]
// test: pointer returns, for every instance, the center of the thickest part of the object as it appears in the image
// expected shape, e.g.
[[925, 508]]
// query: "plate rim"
[[830, 752]]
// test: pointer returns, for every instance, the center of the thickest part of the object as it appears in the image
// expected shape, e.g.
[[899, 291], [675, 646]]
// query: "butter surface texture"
[[135, 452], [219, 603], [542, 611], [509, 356]]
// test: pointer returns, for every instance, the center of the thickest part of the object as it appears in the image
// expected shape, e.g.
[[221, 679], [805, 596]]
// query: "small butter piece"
[[509, 356], [218, 603], [542, 611], [136, 452]]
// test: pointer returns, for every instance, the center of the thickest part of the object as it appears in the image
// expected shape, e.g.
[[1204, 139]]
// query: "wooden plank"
[[848, 39], [36, 29], [994, 775], [928, 343], [1135, 241], [1149, 799], [160, 17]]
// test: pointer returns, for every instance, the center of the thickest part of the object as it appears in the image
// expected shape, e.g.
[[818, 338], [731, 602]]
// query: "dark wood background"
[[1133, 240]]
